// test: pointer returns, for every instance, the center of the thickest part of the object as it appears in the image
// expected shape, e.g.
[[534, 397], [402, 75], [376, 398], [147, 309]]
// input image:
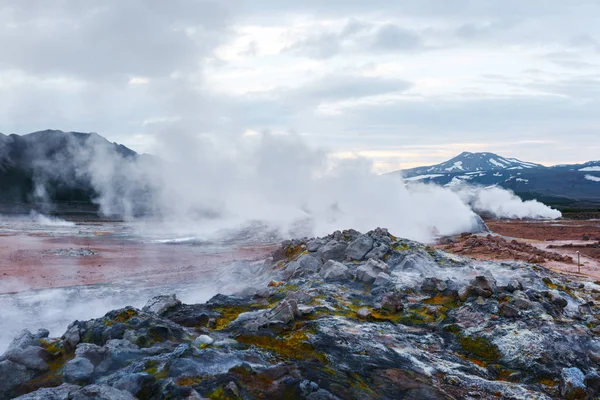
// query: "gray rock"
[[592, 381], [383, 279], [321, 394], [300, 296], [509, 311], [433, 285], [463, 293], [305, 265], [378, 252], [136, 383], [12, 375], [520, 300], [227, 342], [41, 334], [513, 285], [358, 249], [333, 250], [572, 385], [363, 313], [392, 302], [161, 304], [32, 357], [232, 388], [78, 370], [484, 286], [307, 387], [334, 271], [203, 340], [313, 245], [92, 352], [378, 265], [61, 392], [368, 272], [101, 392], [586, 308], [283, 313], [71, 338], [119, 353], [558, 300], [23, 340]]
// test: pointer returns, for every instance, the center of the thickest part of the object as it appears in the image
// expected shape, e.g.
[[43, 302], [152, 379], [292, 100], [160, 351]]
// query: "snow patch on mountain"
[[497, 163], [592, 178], [456, 165], [422, 177], [472, 163]]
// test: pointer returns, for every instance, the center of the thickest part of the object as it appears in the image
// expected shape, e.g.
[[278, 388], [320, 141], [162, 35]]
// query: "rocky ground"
[[553, 244], [345, 316], [546, 230], [499, 248], [591, 250]]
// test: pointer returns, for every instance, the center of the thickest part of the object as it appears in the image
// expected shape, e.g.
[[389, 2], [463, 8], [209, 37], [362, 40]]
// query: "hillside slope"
[[567, 185], [51, 169]]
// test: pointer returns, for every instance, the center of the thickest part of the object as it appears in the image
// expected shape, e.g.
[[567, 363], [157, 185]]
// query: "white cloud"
[[350, 75], [138, 81]]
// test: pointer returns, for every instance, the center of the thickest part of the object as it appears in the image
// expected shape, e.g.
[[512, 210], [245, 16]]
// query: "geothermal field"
[[300, 200], [503, 311]]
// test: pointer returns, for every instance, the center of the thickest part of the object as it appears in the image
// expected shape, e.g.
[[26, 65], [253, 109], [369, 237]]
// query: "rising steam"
[[502, 203], [278, 180]]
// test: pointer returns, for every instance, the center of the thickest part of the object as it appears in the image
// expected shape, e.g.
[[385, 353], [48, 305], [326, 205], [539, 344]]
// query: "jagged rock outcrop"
[[412, 322]]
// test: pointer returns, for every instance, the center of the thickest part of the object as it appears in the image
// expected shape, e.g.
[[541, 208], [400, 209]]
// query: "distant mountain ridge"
[[567, 185], [51, 170], [52, 167], [472, 162]]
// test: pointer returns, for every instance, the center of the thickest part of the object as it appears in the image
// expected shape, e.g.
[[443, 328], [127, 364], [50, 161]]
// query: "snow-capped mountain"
[[560, 184], [472, 162]]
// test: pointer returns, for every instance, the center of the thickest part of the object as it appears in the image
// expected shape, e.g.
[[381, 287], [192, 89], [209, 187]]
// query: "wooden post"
[[578, 262]]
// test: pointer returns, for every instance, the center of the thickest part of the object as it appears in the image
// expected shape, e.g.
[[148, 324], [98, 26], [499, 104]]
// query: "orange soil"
[[26, 264], [553, 244]]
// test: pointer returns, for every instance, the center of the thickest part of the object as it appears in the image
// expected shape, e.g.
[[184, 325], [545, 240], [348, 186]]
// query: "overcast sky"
[[403, 82]]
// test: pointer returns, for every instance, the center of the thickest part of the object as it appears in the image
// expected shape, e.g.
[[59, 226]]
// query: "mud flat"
[[94, 254]]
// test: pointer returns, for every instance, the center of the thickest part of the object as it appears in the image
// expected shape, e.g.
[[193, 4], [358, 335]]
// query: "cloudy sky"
[[403, 82]]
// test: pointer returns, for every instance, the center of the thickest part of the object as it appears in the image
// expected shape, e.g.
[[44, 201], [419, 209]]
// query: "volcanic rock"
[[359, 248], [332, 250], [509, 311], [334, 271], [368, 272], [161, 304], [379, 251], [363, 313], [32, 357], [321, 333], [306, 264], [572, 384]]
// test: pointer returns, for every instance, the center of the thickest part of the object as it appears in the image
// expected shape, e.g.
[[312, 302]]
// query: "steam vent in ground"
[[347, 316]]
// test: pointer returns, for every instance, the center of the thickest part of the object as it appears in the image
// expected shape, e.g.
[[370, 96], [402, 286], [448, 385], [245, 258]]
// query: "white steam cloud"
[[203, 185], [276, 180], [44, 220], [502, 203]]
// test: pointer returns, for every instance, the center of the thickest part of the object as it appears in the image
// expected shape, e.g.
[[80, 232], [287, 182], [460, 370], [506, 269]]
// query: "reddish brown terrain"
[[547, 230], [553, 244], [35, 261]]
